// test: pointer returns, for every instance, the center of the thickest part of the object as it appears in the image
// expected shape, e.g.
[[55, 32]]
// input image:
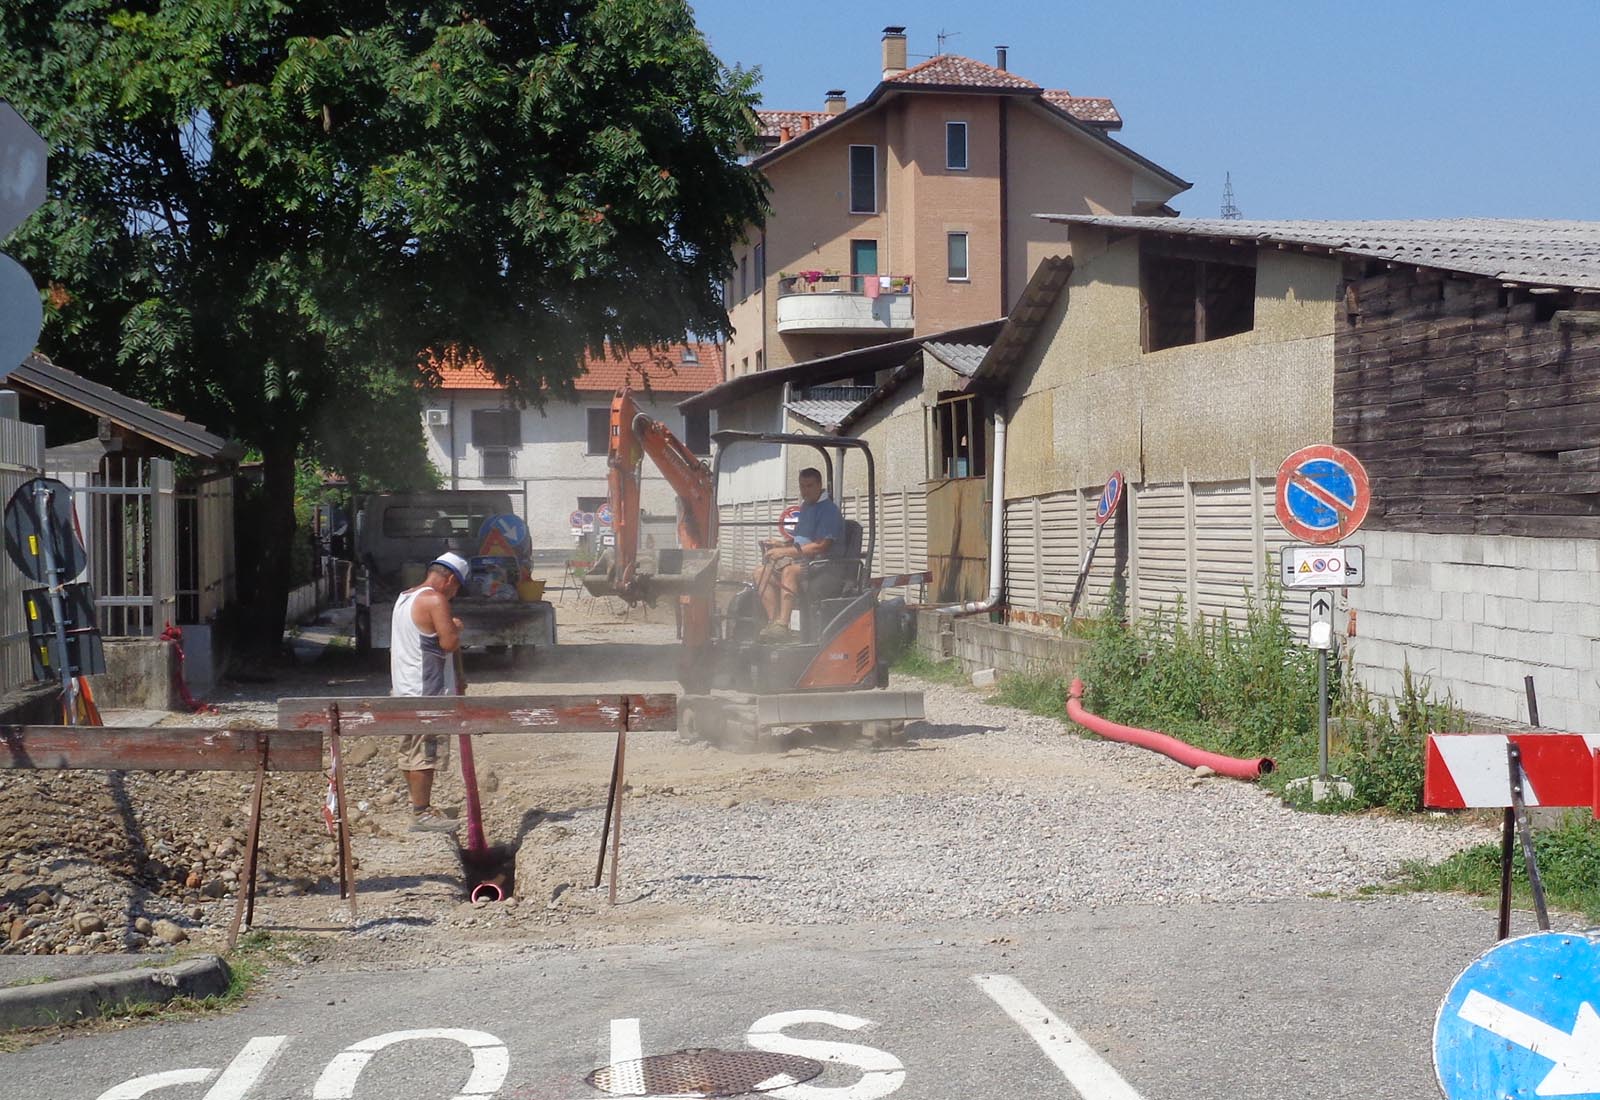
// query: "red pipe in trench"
[[1232, 766]]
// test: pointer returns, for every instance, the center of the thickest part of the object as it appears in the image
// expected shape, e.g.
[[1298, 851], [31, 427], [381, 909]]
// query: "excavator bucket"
[[657, 573]]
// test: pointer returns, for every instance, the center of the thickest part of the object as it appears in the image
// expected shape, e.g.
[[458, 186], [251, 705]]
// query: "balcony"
[[814, 302]]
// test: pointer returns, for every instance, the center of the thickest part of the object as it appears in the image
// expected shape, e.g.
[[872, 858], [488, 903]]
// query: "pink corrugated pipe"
[[1234, 767]]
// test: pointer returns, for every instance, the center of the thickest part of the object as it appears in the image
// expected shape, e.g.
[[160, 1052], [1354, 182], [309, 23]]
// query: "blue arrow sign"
[[1523, 1021]]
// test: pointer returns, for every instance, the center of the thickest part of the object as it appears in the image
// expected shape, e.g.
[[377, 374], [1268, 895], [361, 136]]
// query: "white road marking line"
[[1087, 1072], [246, 1069], [150, 1082], [627, 1075], [490, 1062]]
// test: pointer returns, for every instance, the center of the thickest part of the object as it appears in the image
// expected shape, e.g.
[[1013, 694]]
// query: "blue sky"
[[1353, 109]]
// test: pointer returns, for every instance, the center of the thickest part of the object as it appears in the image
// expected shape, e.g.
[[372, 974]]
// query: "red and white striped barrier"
[[1469, 770], [902, 579]]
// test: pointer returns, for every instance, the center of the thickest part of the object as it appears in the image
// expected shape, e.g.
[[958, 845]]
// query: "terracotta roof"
[[661, 369], [1094, 110], [952, 70], [798, 122]]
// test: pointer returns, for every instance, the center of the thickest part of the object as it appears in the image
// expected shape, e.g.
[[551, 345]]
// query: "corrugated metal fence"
[[1200, 546], [21, 460]]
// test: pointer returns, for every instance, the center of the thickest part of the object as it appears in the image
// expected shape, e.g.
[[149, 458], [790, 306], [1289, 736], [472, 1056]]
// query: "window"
[[955, 146], [863, 179], [496, 462], [697, 432], [691, 354], [1195, 294], [599, 430], [760, 264], [744, 277], [956, 248], [957, 437], [496, 428], [761, 364]]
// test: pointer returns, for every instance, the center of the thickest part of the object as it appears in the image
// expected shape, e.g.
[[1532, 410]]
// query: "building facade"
[[552, 460]]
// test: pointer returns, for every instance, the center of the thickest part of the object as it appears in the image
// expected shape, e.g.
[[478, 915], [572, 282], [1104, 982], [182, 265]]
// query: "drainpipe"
[[997, 526], [455, 480]]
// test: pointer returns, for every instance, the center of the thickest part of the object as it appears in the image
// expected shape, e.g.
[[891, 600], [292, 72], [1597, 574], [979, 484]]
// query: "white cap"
[[455, 563]]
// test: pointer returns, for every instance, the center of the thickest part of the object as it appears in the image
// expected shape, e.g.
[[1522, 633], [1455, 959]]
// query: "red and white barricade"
[[1469, 770]]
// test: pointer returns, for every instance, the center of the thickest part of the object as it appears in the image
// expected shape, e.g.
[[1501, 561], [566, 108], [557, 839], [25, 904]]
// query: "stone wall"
[[1476, 613]]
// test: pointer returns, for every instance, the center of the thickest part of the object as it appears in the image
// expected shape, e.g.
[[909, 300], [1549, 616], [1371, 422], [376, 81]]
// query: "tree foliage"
[[261, 211]]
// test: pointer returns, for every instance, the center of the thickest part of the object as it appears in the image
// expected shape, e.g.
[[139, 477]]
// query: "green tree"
[[261, 211]]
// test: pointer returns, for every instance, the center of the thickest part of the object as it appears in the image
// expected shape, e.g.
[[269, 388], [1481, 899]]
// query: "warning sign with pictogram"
[[1322, 494]]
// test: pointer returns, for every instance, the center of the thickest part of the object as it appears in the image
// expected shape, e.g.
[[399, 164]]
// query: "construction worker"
[[423, 639], [817, 527]]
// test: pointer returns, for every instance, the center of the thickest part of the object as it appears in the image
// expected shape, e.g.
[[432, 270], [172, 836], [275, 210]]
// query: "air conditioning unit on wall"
[[438, 418]]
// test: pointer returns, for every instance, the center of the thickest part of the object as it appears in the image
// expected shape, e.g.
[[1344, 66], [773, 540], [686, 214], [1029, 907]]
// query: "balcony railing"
[[814, 301]]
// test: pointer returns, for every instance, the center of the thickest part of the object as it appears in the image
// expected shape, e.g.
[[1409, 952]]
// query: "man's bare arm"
[[437, 610]]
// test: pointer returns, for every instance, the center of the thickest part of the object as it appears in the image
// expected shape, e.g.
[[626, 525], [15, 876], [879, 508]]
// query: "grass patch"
[[913, 662], [1569, 865], [247, 964], [1034, 693]]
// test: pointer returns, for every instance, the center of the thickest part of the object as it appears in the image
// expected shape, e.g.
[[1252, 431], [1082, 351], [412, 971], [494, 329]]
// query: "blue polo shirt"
[[818, 521]]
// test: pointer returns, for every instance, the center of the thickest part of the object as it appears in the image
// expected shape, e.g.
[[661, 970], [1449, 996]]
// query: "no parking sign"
[[1322, 494]]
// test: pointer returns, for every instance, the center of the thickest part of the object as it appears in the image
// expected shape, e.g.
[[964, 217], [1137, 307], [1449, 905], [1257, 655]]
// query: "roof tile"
[[1095, 110], [661, 369], [798, 122], [952, 70]]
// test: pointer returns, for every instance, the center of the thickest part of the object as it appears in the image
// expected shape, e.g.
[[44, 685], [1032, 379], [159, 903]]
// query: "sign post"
[[22, 179], [1322, 497], [1110, 498]]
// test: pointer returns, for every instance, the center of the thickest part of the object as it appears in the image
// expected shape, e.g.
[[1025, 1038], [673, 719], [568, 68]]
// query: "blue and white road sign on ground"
[[1523, 1021]]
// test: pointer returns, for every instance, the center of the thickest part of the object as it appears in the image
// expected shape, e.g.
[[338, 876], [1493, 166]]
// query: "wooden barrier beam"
[[403, 715], [173, 748]]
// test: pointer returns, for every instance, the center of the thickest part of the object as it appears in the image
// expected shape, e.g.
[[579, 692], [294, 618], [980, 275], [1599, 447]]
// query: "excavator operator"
[[817, 527]]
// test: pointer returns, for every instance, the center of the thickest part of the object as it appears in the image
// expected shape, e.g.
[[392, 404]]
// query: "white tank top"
[[417, 663]]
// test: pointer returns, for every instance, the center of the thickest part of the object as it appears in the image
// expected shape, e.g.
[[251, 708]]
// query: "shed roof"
[[961, 358], [1515, 250], [40, 376], [826, 413], [815, 372]]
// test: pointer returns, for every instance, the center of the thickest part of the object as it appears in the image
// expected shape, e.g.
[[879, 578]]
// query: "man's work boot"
[[429, 820]]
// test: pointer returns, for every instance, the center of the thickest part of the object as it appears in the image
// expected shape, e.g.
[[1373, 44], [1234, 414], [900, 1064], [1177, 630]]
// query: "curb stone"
[[71, 999]]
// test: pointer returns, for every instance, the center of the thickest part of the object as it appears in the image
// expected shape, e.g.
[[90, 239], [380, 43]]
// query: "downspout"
[[997, 526], [455, 480]]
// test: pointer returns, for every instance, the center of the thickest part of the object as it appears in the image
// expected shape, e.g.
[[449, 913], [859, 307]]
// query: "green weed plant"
[[1569, 866]]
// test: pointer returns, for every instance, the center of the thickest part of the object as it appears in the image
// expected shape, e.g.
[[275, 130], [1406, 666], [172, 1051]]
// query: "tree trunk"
[[275, 526]]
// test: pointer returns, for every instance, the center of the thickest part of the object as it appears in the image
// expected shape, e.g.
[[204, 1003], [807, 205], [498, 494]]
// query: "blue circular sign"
[[1523, 1021], [1322, 494], [604, 515], [510, 528], [1109, 499]]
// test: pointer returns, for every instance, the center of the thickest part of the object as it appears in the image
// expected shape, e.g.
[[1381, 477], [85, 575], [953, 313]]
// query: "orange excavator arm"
[[619, 572]]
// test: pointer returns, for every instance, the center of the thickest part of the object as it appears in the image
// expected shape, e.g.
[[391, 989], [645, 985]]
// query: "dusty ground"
[[972, 817]]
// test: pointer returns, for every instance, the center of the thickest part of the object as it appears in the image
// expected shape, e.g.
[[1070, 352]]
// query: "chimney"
[[805, 122], [894, 51], [784, 133], [835, 101], [1000, 57]]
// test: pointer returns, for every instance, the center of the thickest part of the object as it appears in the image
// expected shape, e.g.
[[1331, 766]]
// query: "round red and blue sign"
[[788, 519], [1110, 498], [1322, 494], [604, 515]]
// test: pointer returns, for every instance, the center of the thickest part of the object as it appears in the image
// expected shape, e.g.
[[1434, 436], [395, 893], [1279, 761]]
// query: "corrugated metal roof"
[[961, 358], [39, 375], [826, 413], [1537, 253]]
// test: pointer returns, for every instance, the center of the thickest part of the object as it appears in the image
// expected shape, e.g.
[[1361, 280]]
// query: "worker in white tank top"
[[423, 638]]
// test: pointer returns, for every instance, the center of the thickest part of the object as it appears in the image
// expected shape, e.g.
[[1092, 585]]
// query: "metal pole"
[[69, 703], [1529, 858], [1322, 713]]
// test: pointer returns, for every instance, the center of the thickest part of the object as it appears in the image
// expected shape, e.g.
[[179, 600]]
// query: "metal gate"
[[128, 514]]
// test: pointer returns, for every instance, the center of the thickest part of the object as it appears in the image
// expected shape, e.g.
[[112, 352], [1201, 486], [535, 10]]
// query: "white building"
[[552, 461]]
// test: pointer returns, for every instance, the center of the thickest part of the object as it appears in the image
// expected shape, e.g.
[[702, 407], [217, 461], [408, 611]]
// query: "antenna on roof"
[[1230, 212], [943, 37]]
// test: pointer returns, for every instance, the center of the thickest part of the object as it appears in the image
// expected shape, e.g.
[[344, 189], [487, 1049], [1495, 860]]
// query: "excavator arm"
[[688, 571]]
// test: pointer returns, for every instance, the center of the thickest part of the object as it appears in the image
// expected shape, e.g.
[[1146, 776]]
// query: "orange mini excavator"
[[830, 677]]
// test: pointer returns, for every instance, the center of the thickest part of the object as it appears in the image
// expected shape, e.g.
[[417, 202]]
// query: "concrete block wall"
[[978, 643], [1477, 613]]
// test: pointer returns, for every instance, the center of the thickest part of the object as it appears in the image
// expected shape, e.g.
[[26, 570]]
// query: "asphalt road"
[[1320, 999]]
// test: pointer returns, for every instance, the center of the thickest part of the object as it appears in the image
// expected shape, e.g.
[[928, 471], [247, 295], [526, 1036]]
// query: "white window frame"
[[850, 180], [966, 149], [966, 255]]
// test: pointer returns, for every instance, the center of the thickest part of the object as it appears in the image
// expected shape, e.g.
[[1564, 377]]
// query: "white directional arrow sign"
[[1576, 1054], [22, 178]]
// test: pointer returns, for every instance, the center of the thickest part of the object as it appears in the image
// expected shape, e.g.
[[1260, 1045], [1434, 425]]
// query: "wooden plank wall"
[[1475, 407]]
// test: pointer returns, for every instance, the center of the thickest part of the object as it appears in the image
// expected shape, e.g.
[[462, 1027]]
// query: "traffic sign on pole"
[[1320, 619], [1522, 1021], [22, 179], [1110, 497], [604, 515], [1319, 567], [1322, 494]]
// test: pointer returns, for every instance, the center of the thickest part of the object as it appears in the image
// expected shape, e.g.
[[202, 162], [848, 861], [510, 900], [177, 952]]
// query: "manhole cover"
[[700, 1072]]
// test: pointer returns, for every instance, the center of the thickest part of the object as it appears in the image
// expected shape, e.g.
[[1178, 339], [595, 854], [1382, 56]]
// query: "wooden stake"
[[621, 783], [611, 802], [347, 868], [245, 904]]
